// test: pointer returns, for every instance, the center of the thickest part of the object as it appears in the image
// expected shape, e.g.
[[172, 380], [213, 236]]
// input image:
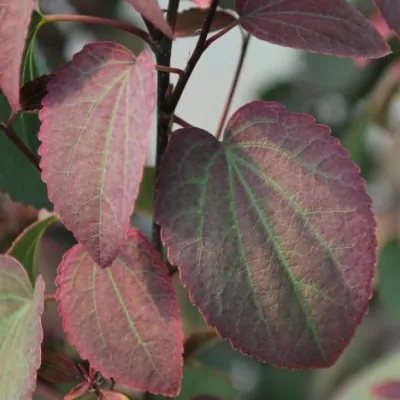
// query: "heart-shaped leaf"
[[272, 232], [15, 16], [96, 120], [25, 247], [124, 319], [20, 330], [328, 27], [390, 10], [152, 12]]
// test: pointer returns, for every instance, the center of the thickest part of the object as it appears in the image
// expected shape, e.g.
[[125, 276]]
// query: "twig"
[[228, 103], [50, 296], [91, 20], [198, 51], [12, 135], [222, 32], [170, 70], [180, 121]]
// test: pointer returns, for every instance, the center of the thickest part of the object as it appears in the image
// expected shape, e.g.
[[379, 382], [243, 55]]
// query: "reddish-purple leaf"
[[15, 16], [190, 22], [387, 390], [32, 93], [272, 232], [323, 26], [152, 12], [124, 319], [390, 10], [96, 119], [58, 368], [21, 332]]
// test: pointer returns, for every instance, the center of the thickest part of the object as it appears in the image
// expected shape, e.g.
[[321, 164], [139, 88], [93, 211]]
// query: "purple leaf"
[[272, 232], [96, 119], [389, 390], [124, 319], [323, 26], [150, 10], [390, 10], [21, 332], [15, 16]]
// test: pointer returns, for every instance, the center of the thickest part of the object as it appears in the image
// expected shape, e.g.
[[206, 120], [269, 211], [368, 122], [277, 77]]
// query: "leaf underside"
[[15, 16], [328, 27], [124, 319], [20, 330], [96, 120], [390, 10], [272, 232]]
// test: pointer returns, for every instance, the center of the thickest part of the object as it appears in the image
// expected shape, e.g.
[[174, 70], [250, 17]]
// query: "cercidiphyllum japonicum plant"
[[270, 227]]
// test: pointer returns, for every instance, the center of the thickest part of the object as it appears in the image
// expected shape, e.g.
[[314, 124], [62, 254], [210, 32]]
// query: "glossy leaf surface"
[[272, 232], [390, 10], [25, 247], [95, 127], [15, 16], [20, 330], [125, 316], [202, 381], [190, 22], [152, 12], [334, 28]]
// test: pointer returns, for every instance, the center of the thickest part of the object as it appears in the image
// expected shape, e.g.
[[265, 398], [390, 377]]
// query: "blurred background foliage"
[[360, 102]]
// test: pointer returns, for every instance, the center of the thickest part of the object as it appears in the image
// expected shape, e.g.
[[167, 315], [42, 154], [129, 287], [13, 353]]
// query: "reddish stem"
[[180, 121], [91, 20], [222, 32], [50, 296], [170, 70], [228, 103]]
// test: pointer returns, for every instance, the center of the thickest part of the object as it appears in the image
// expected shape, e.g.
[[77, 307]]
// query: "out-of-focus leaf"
[[197, 341], [57, 368], [152, 12], [95, 127], [333, 28], [390, 9], [127, 330], [198, 380], [190, 22], [15, 16], [32, 93], [389, 275], [389, 390], [360, 387], [111, 395], [25, 247], [145, 199], [21, 332], [272, 232]]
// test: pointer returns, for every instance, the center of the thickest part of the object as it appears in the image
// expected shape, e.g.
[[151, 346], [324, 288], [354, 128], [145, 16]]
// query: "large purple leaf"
[[323, 26], [272, 232], [21, 332], [95, 127], [390, 10], [152, 12], [124, 319], [15, 16]]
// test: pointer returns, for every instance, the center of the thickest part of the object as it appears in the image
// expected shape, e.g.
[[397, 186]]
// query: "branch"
[[11, 134], [228, 103], [180, 121], [91, 20], [198, 51], [222, 32]]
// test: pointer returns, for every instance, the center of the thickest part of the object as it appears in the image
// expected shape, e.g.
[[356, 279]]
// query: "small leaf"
[[78, 391], [190, 22], [21, 331], [135, 336], [390, 10], [58, 368], [201, 381], [25, 247], [111, 395], [328, 27], [96, 121], [33, 92], [152, 12], [15, 16], [272, 232], [389, 390]]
